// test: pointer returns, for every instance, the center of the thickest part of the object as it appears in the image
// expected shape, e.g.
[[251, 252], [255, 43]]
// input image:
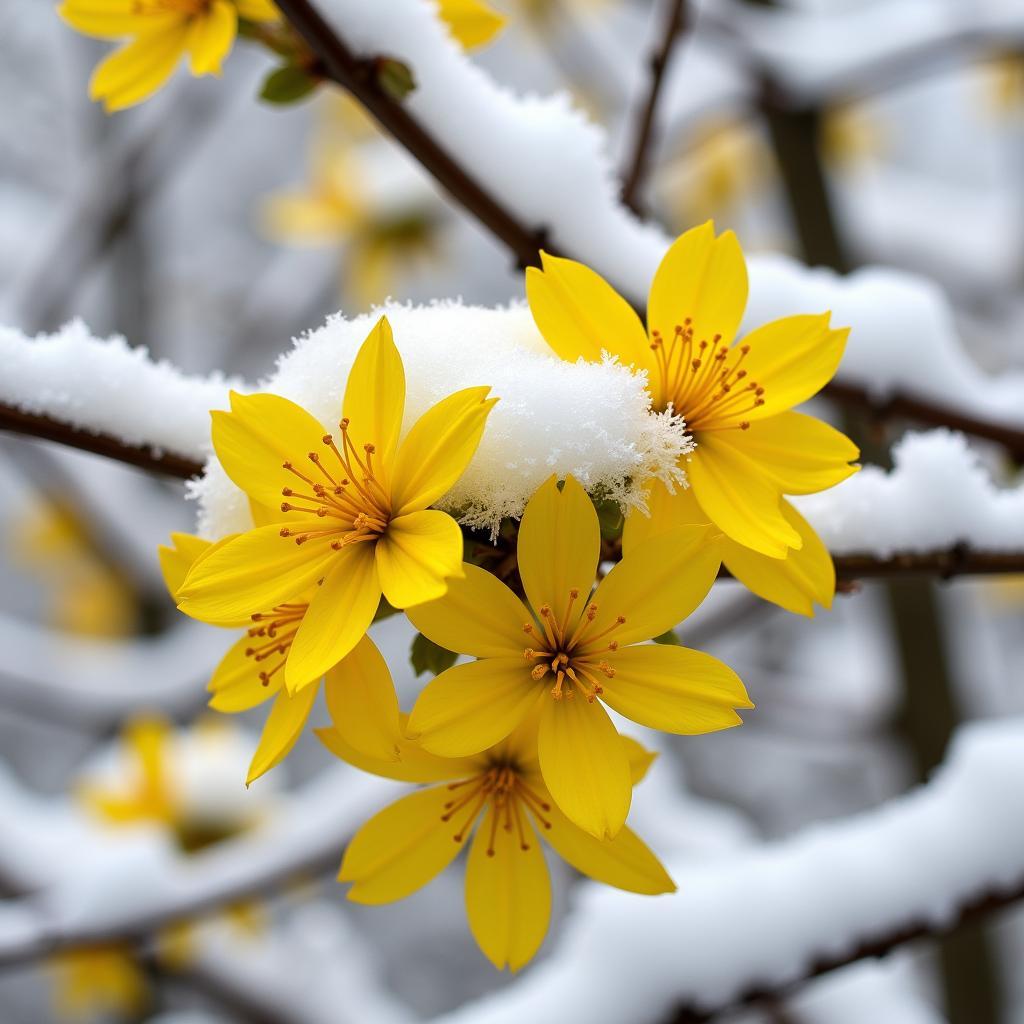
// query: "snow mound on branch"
[[106, 386], [590, 420], [937, 495]]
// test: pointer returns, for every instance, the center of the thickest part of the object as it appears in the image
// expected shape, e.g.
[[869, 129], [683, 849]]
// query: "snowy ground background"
[[792, 838]]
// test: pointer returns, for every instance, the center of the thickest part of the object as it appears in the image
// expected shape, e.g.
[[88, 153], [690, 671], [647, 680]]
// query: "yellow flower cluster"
[[515, 744]]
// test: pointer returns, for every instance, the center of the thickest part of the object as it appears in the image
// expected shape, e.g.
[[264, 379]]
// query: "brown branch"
[[922, 410], [145, 456], [635, 174], [359, 77], [972, 912]]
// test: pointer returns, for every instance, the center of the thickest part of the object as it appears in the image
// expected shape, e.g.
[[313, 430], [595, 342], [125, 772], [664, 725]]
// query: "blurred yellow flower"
[[501, 794], [849, 136], [356, 522], [98, 981], [88, 597], [472, 22], [736, 399], [567, 649], [161, 33]]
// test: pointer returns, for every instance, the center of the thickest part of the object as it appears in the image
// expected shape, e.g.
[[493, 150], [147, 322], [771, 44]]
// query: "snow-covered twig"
[[675, 25], [922, 865]]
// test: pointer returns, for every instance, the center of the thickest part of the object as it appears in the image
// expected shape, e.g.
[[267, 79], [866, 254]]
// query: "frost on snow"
[[593, 421]]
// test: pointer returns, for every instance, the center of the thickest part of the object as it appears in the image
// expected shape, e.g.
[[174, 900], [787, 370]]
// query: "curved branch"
[[359, 77], [969, 913], [675, 25], [49, 429]]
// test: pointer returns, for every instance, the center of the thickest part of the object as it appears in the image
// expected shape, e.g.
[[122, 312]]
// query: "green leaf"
[[426, 656], [288, 84], [394, 77], [669, 637], [609, 515]]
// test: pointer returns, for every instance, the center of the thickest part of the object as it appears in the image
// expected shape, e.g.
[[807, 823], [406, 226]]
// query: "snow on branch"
[[548, 173], [114, 397], [757, 922]]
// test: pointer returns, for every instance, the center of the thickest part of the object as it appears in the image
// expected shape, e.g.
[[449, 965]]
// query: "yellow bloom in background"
[[98, 981], [736, 398], [355, 522], [250, 673], [496, 801], [850, 136], [87, 596], [162, 32], [472, 22], [570, 653]]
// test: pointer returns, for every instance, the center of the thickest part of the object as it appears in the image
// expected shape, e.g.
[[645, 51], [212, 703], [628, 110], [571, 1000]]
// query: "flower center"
[[573, 657], [351, 500], [277, 629], [510, 798], [703, 380]]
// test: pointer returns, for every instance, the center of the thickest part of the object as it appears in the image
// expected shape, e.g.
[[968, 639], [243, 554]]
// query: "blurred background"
[[211, 228]]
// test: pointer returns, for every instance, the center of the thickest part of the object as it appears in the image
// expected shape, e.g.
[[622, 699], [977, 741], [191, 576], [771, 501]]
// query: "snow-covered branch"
[[920, 865]]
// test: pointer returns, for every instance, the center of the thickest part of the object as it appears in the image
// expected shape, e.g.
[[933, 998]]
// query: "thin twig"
[[359, 76], [145, 457], [635, 174], [876, 946]]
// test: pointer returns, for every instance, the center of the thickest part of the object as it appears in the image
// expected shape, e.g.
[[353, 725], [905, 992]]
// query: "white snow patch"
[[593, 421]]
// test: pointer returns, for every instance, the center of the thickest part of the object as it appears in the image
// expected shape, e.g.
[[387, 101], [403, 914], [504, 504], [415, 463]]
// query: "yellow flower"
[[472, 22], [356, 521], [161, 32], [568, 649], [98, 980], [87, 596], [736, 399], [501, 794], [250, 673]]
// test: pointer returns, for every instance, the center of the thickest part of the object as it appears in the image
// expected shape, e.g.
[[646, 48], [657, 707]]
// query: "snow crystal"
[[107, 386], [937, 495], [590, 420]]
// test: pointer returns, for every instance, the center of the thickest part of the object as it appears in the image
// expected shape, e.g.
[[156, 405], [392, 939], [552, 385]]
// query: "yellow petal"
[[581, 315], [657, 585], [363, 704], [508, 892], [375, 395], [438, 448], [794, 582], [478, 615], [176, 561], [625, 861], [799, 453], [138, 69], [703, 278], [147, 738], [258, 436], [257, 10], [559, 545], [414, 764], [211, 37], [236, 682], [739, 499], [584, 764], [401, 848], [472, 22], [674, 689], [417, 555], [666, 511], [792, 359], [115, 21], [639, 757], [471, 707], [253, 572], [306, 219], [339, 615], [281, 730]]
